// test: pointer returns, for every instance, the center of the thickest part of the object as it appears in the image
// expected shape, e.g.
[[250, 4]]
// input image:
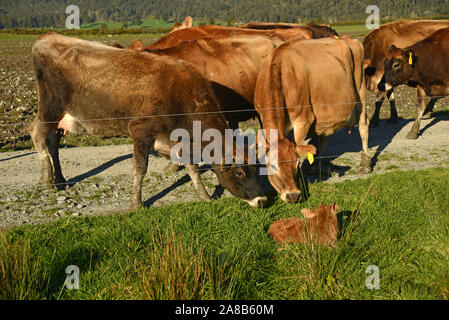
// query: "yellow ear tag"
[[336, 37], [410, 59], [310, 158]]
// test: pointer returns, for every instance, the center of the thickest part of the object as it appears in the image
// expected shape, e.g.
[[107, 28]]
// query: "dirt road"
[[101, 177]]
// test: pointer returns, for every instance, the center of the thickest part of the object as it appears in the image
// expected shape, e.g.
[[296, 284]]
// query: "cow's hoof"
[[365, 169], [412, 135], [61, 184], [428, 115], [205, 198], [170, 168], [46, 185]]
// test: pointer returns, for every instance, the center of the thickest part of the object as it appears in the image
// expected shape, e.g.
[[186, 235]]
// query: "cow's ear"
[[411, 57], [393, 48], [137, 45], [334, 208], [308, 213], [188, 22]]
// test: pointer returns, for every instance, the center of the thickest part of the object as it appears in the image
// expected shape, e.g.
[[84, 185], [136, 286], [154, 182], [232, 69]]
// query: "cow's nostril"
[[261, 202]]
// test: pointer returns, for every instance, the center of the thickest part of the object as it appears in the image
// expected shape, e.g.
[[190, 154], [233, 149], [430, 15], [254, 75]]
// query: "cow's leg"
[[194, 173], [39, 131], [393, 111], [53, 140], [143, 133], [141, 150], [365, 161], [378, 105], [233, 124], [421, 109]]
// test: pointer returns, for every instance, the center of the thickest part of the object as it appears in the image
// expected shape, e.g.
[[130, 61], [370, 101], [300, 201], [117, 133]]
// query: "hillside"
[[51, 13]]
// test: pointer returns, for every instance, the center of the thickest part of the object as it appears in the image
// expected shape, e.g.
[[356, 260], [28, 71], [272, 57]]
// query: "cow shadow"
[[343, 142], [218, 192], [437, 117], [79, 178]]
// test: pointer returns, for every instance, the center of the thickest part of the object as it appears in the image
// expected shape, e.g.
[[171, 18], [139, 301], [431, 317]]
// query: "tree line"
[[51, 13]]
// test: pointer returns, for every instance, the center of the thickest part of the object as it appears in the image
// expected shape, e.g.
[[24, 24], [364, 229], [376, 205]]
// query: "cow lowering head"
[[399, 67], [241, 181], [283, 172]]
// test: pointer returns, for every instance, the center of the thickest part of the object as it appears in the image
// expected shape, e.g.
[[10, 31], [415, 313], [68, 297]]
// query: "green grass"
[[353, 29], [222, 250]]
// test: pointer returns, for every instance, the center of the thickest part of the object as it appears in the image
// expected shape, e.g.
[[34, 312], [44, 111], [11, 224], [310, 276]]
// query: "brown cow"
[[317, 30], [231, 64], [377, 43], [310, 87], [320, 226], [215, 32], [423, 65], [114, 92]]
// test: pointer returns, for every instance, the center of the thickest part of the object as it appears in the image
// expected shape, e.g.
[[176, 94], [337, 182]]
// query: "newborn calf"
[[320, 226]]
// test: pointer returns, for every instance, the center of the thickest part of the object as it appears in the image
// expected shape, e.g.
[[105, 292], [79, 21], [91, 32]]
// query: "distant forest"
[[51, 13]]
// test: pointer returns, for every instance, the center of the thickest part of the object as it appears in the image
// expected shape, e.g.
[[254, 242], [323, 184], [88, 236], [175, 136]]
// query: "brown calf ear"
[[117, 45], [335, 208], [308, 213]]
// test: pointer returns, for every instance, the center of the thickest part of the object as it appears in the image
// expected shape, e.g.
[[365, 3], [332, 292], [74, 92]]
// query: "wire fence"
[[208, 112]]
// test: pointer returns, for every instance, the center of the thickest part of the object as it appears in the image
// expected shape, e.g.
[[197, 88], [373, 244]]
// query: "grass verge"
[[222, 250]]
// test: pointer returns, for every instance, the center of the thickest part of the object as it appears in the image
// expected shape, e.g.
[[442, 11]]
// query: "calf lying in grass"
[[320, 226]]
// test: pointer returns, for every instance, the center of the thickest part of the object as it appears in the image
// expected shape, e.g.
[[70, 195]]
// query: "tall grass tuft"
[[173, 270], [21, 274]]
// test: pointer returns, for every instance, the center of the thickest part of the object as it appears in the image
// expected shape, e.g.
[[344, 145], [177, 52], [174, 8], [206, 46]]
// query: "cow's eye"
[[239, 173], [396, 65]]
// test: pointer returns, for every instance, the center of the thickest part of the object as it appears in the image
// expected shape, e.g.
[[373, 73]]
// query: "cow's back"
[[314, 79], [116, 84]]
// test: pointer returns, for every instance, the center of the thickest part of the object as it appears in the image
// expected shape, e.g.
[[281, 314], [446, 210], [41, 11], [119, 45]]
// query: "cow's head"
[[188, 22], [283, 172], [241, 181], [399, 67]]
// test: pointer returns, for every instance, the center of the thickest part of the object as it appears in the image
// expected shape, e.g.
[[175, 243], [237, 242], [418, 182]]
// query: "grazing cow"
[[114, 92], [423, 65], [377, 43], [310, 87], [320, 226]]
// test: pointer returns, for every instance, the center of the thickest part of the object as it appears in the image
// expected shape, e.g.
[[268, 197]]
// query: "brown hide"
[[309, 86], [214, 32], [318, 31], [232, 64], [423, 65], [114, 92], [319, 226], [400, 33]]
